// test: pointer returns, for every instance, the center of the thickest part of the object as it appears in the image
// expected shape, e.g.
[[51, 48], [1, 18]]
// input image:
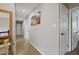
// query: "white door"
[[63, 29], [75, 33]]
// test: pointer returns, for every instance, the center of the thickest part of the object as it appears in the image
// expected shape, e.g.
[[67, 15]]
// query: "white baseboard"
[[36, 48]]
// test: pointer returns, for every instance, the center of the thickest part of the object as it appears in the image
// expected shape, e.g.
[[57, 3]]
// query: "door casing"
[[10, 21], [67, 29]]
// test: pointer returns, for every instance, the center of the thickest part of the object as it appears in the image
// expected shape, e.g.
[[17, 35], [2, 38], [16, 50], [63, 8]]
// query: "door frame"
[[70, 27], [21, 23], [10, 21], [59, 29]]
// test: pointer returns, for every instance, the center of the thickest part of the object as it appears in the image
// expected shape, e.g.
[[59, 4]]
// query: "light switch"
[[54, 25]]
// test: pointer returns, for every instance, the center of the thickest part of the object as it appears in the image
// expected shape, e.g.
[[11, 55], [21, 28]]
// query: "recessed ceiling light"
[[23, 10]]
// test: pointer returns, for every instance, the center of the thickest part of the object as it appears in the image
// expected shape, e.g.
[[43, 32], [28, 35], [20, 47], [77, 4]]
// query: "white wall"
[[26, 27], [45, 36]]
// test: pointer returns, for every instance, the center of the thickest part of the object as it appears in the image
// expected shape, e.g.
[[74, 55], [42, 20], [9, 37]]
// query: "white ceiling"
[[23, 9]]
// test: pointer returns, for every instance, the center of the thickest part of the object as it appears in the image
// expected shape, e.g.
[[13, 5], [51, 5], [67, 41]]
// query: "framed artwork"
[[35, 19]]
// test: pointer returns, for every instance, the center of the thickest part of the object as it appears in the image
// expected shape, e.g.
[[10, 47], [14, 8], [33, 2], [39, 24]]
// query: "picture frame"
[[35, 19]]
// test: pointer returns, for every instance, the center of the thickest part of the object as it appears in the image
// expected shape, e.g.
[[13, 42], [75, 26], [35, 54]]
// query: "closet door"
[[75, 29]]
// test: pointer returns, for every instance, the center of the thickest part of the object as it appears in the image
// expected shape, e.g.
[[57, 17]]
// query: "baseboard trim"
[[36, 48]]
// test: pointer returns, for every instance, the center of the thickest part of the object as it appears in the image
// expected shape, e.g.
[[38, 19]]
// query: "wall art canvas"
[[35, 19]]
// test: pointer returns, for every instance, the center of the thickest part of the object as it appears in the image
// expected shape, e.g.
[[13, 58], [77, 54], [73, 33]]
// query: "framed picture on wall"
[[35, 19]]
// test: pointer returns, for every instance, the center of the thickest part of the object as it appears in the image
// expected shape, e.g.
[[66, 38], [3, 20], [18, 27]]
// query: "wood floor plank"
[[25, 48]]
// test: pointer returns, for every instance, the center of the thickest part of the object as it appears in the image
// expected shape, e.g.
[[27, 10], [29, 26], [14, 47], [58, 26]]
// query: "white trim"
[[70, 48], [36, 48]]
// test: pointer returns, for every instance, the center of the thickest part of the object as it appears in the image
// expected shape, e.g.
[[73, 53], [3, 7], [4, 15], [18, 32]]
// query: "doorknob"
[[62, 33]]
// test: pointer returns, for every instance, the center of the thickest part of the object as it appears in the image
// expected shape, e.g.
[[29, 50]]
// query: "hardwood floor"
[[24, 47]]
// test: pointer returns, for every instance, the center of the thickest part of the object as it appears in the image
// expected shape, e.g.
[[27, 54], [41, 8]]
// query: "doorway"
[[19, 28], [74, 27], [6, 31]]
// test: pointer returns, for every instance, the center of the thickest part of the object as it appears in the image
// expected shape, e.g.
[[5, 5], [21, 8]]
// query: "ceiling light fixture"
[[23, 10]]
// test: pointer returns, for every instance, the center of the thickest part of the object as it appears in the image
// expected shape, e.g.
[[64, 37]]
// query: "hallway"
[[23, 48]]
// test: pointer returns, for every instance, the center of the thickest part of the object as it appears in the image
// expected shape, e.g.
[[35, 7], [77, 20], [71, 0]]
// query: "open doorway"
[[5, 32], [74, 27], [19, 29], [19, 36], [23, 24]]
